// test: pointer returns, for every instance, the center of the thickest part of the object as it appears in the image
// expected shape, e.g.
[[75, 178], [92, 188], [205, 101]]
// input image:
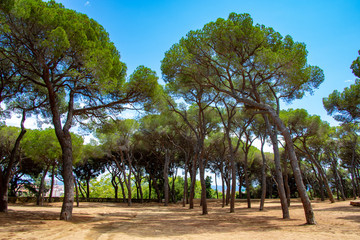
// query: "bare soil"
[[339, 220]]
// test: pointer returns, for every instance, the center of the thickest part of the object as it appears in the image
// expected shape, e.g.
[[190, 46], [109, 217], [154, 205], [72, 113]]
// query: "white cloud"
[[87, 3], [349, 81]]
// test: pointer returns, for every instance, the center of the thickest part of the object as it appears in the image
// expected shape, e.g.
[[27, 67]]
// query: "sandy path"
[[154, 221]]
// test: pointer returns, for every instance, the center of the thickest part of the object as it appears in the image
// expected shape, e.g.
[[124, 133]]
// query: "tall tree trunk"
[[122, 188], [52, 182], [286, 182], [279, 176], [223, 187], [88, 188], [6, 173], [77, 194], [193, 181], [68, 203], [166, 177], [247, 184], [263, 177], [321, 173], [40, 196], [309, 213], [150, 188], [216, 187], [185, 193], [203, 186]]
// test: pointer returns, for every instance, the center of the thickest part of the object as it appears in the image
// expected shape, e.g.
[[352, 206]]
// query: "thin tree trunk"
[[203, 186], [40, 196], [52, 182], [166, 178], [122, 188], [193, 181], [185, 186], [263, 177], [6, 173], [321, 173], [279, 176], [223, 186], [247, 184], [77, 194], [309, 213], [286, 182], [216, 187]]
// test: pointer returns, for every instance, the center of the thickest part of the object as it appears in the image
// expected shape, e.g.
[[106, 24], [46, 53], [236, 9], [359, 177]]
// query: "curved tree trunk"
[[321, 173], [309, 213]]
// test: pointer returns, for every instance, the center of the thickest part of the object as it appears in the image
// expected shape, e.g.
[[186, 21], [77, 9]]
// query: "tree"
[[247, 62], [71, 59], [310, 135]]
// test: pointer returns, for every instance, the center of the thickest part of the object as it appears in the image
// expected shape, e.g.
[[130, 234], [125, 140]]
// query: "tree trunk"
[[68, 203], [309, 213], [247, 184], [166, 177], [203, 186], [263, 177], [149, 180], [185, 187], [52, 182], [6, 173], [216, 187], [321, 173], [193, 181], [88, 188], [223, 187], [279, 176], [40, 196], [286, 182], [122, 189], [77, 194]]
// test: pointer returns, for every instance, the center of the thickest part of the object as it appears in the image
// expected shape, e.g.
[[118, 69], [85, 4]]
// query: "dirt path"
[[154, 221]]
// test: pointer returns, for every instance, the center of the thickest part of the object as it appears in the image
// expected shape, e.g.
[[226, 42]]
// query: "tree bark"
[[185, 186], [203, 186], [263, 177], [193, 181], [68, 203], [166, 177]]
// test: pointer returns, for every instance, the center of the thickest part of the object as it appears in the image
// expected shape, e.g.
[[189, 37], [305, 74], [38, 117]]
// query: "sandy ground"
[[154, 221]]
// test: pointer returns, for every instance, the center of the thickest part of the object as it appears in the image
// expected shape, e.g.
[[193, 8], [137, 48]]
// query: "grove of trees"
[[224, 86]]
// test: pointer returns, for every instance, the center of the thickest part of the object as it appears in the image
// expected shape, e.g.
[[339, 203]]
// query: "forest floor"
[[339, 220]]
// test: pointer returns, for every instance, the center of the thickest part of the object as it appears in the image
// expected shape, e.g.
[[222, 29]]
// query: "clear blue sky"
[[144, 30]]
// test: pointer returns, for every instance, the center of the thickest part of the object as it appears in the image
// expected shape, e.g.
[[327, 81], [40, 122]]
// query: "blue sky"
[[144, 30]]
